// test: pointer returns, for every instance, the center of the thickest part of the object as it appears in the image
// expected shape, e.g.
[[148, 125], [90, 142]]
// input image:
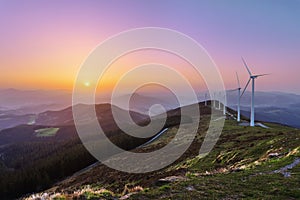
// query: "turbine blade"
[[247, 67], [261, 75], [232, 90], [246, 87], [238, 80]]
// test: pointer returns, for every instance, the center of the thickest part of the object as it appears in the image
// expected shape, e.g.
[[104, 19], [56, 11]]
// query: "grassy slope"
[[239, 166]]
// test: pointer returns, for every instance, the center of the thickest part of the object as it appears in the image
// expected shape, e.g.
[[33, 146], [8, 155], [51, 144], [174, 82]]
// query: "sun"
[[87, 83]]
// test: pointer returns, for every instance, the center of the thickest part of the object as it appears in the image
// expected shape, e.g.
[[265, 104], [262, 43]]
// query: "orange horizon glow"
[[43, 44]]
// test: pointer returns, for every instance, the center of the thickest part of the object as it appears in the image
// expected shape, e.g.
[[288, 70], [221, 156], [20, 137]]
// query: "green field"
[[46, 132]]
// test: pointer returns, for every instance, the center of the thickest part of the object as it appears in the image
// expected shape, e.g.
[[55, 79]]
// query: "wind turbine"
[[252, 77], [224, 105], [219, 99], [205, 99], [214, 99], [239, 97]]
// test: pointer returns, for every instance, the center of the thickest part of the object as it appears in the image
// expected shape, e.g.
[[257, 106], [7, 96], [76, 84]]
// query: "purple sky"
[[41, 38]]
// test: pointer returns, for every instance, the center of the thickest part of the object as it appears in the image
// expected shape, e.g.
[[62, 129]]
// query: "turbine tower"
[[252, 78], [214, 99], [239, 98], [224, 105], [219, 99]]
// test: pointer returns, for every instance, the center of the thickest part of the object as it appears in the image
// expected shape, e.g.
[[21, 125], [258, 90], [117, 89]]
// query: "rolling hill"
[[30, 155], [247, 162], [34, 156]]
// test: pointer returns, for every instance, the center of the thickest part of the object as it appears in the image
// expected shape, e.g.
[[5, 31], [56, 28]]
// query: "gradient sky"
[[43, 43]]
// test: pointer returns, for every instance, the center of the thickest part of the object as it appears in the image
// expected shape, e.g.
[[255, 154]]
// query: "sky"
[[44, 43]]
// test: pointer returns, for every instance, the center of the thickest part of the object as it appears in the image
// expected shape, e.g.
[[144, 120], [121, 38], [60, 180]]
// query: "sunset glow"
[[43, 44]]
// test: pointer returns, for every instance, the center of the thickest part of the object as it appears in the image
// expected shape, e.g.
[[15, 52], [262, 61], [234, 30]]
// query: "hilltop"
[[246, 162]]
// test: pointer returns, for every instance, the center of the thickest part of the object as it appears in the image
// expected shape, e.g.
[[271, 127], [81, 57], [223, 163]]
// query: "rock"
[[190, 188], [170, 179], [272, 155]]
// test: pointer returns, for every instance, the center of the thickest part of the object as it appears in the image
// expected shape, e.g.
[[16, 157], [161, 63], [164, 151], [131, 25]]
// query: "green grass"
[[238, 167], [165, 188], [243, 152], [46, 132], [59, 198], [91, 196]]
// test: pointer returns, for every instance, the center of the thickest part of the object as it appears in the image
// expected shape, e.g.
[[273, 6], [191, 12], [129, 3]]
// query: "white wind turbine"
[[214, 99], [224, 105], [252, 77], [239, 97], [219, 99]]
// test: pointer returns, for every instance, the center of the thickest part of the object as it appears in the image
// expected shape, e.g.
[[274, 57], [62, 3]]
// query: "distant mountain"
[[143, 102], [265, 99], [103, 111], [33, 101], [16, 125], [278, 107], [285, 116], [17, 106], [23, 106], [11, 120]]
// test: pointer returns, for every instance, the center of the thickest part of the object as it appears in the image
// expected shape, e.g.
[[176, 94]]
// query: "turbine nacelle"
[[256, 76], [253, 77]]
